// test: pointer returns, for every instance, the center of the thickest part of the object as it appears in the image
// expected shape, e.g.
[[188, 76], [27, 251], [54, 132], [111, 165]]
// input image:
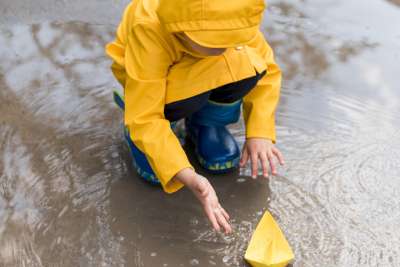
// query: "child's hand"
[[205, 193], [261, 149], [217, 215]]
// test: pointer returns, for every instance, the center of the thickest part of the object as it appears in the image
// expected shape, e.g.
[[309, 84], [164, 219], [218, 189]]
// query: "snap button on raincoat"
[[155, 69]]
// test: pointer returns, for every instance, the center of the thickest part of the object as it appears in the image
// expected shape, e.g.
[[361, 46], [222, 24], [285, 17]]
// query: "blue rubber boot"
[[216, 149], [140, 161]]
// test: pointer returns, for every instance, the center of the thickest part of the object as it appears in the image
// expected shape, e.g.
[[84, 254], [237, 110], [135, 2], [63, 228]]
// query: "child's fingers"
[[226, 215], [254, 165], [222, 221], [279, 155], [264, 163], [272, 163], [211, 216], [245, 158]]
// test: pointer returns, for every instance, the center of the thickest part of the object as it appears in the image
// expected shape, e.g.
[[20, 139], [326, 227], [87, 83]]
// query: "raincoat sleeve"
[[260, 104], [147, 60]]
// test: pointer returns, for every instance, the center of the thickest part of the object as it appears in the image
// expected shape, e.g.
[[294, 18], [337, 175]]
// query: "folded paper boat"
[[268, 246]]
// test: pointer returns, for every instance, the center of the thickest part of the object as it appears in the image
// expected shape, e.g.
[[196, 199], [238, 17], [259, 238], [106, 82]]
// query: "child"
[[198, 60]]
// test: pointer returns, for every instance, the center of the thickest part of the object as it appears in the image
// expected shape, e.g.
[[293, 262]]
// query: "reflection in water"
[[67, 195], [55, 164], [302, 45]]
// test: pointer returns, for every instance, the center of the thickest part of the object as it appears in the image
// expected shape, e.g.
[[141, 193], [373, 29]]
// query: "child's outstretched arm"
[[259, 114]]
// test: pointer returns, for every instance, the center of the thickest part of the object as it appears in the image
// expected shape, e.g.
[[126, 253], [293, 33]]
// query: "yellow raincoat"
[[155, 69]]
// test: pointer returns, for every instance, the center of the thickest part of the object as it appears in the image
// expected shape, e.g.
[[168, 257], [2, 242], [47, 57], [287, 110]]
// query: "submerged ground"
[[68, 193]]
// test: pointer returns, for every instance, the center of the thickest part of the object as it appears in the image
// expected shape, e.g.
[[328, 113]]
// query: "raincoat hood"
[[215, 23]]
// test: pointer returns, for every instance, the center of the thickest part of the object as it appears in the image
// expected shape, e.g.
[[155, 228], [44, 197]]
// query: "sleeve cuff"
[[261, 132], [171, 185]]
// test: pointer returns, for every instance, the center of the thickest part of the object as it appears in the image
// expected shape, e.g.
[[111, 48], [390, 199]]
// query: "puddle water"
[[70, 197]]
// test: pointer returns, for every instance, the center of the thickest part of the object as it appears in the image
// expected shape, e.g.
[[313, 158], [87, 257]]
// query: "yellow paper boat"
[[268, 246]]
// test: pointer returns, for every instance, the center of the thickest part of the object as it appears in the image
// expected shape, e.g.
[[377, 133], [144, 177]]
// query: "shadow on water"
[[69, 195]]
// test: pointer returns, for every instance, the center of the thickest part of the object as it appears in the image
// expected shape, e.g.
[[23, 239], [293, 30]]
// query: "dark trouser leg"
[[232, 92], [186, 107], [227, 93]]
